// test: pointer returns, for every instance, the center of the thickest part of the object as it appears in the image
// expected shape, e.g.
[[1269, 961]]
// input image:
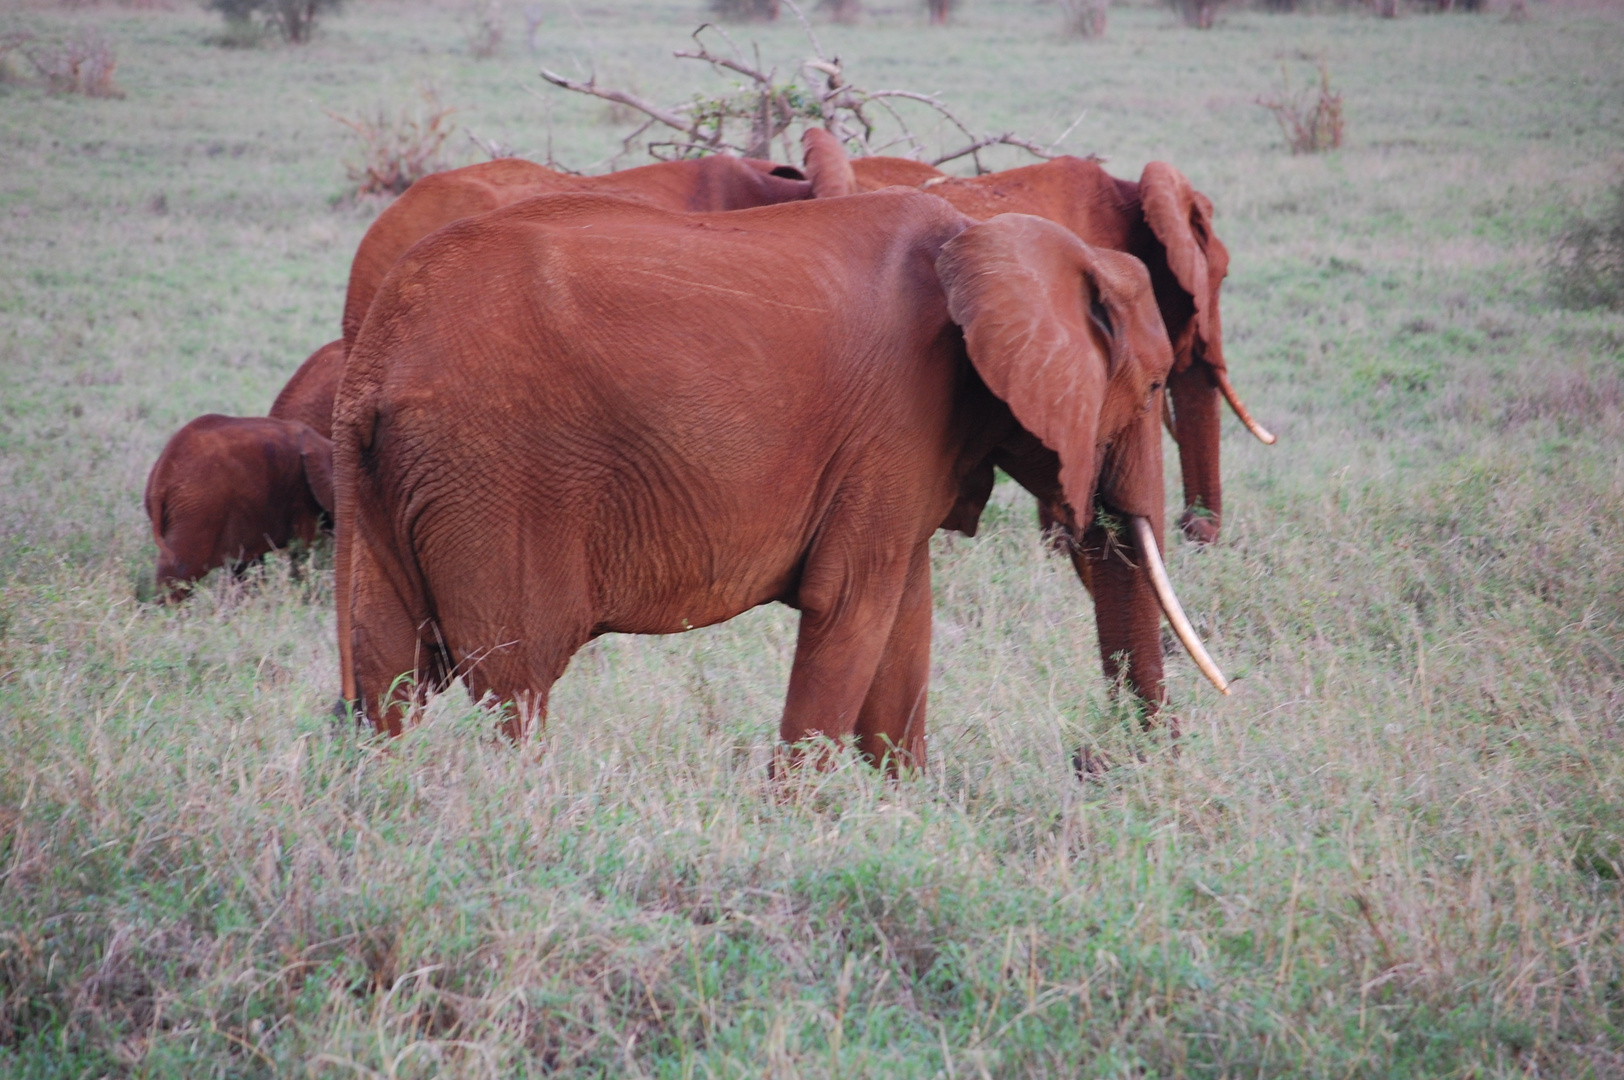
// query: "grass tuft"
[[1310, 119], [1587, 262]]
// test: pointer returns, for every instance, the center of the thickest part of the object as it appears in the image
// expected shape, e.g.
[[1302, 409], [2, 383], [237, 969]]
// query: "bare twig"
[[631, 101], [817, 47], [723, 62], [1069, 129], [492, 148]]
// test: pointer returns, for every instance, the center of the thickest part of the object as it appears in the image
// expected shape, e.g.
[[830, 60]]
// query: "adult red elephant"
[[716, 183], [580, 415], [1162, 221]]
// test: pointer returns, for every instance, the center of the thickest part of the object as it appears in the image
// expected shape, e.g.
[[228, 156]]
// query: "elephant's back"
[[430, 204], [875, 173], [1074, 192], [572, 285], [251, 463]]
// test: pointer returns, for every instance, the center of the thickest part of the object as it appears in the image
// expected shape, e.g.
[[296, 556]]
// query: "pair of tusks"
[[1145, 539], [1264, 435]]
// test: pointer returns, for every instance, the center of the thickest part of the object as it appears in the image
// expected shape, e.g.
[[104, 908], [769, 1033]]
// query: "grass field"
[[1396, 851]]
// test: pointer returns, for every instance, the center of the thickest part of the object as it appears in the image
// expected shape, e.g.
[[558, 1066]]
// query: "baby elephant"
[[227, 489]]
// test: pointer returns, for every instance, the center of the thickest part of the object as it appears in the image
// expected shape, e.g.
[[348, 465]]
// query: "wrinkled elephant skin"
[[580, 415]]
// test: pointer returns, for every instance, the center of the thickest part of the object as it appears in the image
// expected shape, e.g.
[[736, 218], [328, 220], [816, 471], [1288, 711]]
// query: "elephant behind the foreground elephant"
[[1167, 225], [718, 182], [579, 415], [308, 395], [228, 489]]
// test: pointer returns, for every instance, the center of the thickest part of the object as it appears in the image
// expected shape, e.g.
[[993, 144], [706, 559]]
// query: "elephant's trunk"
[[1145, 539]]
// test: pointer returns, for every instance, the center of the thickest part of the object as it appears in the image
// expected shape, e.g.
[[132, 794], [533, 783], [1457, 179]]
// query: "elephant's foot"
[[1199, 527], [1090, 763]]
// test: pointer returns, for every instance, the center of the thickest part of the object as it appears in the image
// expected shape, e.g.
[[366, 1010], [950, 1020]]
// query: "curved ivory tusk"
[[1146, 539], [1167, 416], [1263, 434]]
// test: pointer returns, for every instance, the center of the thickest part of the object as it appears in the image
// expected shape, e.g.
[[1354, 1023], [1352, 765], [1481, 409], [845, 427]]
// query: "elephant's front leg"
[[1195, 413], [891, 726], [849, 595]]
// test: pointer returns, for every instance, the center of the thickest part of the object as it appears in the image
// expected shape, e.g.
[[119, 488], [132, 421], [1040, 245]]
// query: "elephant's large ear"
[[1181, 218], [1048, 321], [317, 454], [827, 165]]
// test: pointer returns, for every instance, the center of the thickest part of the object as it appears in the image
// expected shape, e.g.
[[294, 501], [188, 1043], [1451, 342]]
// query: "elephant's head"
[[1181, 220], [1070, 338]]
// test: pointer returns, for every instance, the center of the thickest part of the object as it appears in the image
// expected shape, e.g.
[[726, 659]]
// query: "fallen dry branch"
[[761, 111]]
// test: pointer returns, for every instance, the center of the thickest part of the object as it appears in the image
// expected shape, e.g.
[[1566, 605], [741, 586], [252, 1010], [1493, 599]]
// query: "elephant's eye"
[[1155, 386]]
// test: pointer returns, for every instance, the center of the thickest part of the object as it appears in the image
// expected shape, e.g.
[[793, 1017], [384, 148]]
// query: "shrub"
[[1587, 260], [9, 44], [846, 12], [399, 150], [83, 64], [745, 10], [484, 22], [1085, 17], [246, 20], [1311, 119], [1197, 13], [534, 16]]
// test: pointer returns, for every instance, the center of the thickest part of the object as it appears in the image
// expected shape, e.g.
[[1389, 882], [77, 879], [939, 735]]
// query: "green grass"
[[1396, 851]]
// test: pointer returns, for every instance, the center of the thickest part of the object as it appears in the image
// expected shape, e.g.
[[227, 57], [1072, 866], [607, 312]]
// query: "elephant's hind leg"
[[518, 674], [511, 640], [891, 727], [394, 651]]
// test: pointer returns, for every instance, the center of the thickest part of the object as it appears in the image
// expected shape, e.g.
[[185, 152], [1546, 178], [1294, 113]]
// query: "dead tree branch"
[[622, 97], [760, 110]]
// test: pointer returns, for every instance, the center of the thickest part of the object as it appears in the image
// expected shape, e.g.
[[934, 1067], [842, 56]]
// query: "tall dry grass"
[[1394, 852]]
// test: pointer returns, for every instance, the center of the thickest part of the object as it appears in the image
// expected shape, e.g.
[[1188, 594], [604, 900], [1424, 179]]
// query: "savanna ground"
[[1395, 851]]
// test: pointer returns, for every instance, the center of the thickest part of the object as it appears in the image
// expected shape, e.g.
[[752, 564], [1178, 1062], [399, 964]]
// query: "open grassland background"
[[1394, 852]]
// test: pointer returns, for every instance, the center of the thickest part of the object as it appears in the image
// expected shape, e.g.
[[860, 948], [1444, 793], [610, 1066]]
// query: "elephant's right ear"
[[1181, 218], [1029, 296], [317, 454], [827, 165]]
